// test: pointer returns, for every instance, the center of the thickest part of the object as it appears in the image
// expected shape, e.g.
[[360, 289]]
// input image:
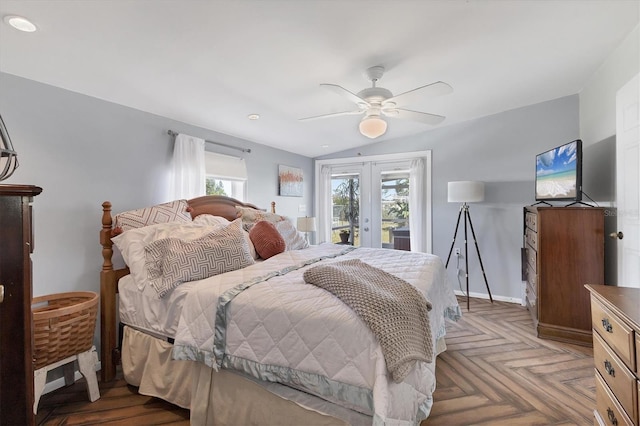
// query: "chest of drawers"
[[615, 313], [564, 250]]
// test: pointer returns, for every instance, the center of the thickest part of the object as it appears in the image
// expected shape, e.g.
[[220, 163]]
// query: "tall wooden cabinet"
[[564, 250], [16, 340]]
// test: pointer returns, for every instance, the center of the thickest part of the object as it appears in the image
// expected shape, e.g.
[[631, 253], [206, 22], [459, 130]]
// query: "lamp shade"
[[373, 126], [306, 224], [8, 157], [465, 191]]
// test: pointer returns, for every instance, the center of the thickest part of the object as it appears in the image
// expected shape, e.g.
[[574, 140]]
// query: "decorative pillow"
[[174, 211], [266, 239], [131, 243], [252, 248], [210, 220], [172, 261], [251, 216], [294, 239]]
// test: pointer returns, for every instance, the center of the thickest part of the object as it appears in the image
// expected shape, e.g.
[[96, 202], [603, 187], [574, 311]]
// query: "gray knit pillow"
[[172, 261]]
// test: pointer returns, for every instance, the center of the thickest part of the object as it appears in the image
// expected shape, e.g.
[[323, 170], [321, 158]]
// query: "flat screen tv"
[[559, 173]]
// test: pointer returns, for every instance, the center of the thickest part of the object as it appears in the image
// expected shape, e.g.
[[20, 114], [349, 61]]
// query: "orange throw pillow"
[[266, 239]]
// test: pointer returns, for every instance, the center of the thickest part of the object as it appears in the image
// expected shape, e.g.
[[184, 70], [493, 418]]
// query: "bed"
[[259, 344]]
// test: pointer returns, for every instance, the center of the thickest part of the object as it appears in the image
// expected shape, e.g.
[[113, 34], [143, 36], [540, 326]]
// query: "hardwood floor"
[[494, 372]]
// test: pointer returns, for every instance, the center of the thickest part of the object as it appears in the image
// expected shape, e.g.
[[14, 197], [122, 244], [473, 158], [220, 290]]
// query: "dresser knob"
[[607, 325], [609, 368], [612, 417]]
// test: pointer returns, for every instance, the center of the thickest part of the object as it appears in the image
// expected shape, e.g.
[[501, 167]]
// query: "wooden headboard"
[[217, 205]]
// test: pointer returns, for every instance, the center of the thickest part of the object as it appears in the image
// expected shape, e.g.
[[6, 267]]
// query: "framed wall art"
[[290, 181]]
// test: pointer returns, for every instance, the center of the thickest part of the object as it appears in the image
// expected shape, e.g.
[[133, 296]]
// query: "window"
[[226, 175]]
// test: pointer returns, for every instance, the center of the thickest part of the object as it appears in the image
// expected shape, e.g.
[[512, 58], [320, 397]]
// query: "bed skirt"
[[223, 397]]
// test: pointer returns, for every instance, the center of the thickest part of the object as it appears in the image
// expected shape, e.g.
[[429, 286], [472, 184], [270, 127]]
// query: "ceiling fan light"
[[373, 126]]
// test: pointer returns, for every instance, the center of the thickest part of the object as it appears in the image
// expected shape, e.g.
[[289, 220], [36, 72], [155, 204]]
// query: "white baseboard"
[[486, 296], [59, 382]]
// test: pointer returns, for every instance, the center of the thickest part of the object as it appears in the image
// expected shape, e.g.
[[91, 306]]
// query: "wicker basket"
[[63, 325]]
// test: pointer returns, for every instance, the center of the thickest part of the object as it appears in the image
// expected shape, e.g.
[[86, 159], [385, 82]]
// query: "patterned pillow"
[[266, 239], [131, 243], [294, 239], [171, 261], [251, 216], [174, 211], [217, 221]]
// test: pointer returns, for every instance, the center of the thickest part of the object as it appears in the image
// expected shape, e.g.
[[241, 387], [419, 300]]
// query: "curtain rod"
[[248, 150]]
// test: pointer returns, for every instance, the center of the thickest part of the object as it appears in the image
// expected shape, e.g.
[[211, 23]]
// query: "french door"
[[376, 201]]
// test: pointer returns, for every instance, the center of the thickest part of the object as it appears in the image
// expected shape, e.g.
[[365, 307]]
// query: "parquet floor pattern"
[[497, 372], [494, 372]]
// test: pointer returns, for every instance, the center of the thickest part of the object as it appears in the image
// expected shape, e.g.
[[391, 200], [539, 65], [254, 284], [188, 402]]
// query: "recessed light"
[[20, 23], [324, 146], [253, 116]]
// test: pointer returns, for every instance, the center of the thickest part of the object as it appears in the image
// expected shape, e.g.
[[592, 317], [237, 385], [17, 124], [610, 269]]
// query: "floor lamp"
[[467, 192]]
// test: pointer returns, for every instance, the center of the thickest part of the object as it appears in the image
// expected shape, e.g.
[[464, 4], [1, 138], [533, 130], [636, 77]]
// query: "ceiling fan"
[[375, 102]]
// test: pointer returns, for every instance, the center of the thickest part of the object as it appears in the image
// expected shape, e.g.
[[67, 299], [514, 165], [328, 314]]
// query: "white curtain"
[[188, 170], [324, 205], [417, 205]]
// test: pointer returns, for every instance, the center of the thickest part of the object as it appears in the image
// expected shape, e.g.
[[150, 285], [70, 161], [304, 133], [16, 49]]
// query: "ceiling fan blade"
[[438, 88], [345, 93], [421, 117], [333, 114]]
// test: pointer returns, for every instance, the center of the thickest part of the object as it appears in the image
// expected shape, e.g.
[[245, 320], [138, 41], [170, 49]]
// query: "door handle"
[[618, 235], [1, 293]]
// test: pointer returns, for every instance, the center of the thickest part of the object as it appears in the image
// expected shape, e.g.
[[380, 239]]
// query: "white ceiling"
[[211, 63]]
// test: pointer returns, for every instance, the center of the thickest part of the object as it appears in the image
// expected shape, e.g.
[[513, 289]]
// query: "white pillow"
[[131, 243], [293, 239], [210, 220]]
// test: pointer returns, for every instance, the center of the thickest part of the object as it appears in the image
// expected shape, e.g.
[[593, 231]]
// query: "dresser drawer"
[[617, 334], [531, 296], [532, 257], [531, 221], [532, 279], [531, 237], [608, 407], [638, 356], [620, 380]]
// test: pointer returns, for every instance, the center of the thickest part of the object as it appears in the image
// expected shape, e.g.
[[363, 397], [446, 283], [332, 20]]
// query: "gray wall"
[[499, 150], [83, 151]]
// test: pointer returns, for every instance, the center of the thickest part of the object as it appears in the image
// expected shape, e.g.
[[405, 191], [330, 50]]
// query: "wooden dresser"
[[563, 251], [16, 337], [616, 354]]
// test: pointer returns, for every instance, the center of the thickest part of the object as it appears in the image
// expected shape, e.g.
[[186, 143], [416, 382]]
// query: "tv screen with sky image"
[[559, 173]]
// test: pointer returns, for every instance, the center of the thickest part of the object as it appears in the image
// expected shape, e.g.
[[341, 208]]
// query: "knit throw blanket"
[[393, 309]]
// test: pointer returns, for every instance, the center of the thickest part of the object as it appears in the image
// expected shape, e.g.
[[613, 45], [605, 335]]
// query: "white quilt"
[[284, 330]]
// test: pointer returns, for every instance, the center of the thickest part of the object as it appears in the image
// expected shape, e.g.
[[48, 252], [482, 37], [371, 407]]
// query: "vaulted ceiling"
[[212, 63]]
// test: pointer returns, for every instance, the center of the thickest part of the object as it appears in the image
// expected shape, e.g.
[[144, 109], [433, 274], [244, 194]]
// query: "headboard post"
[[105, 237], [273, 207], [108, 291]]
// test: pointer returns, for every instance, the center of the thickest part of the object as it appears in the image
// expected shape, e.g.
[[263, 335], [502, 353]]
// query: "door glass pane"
[[345, 203], [395, 209]]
